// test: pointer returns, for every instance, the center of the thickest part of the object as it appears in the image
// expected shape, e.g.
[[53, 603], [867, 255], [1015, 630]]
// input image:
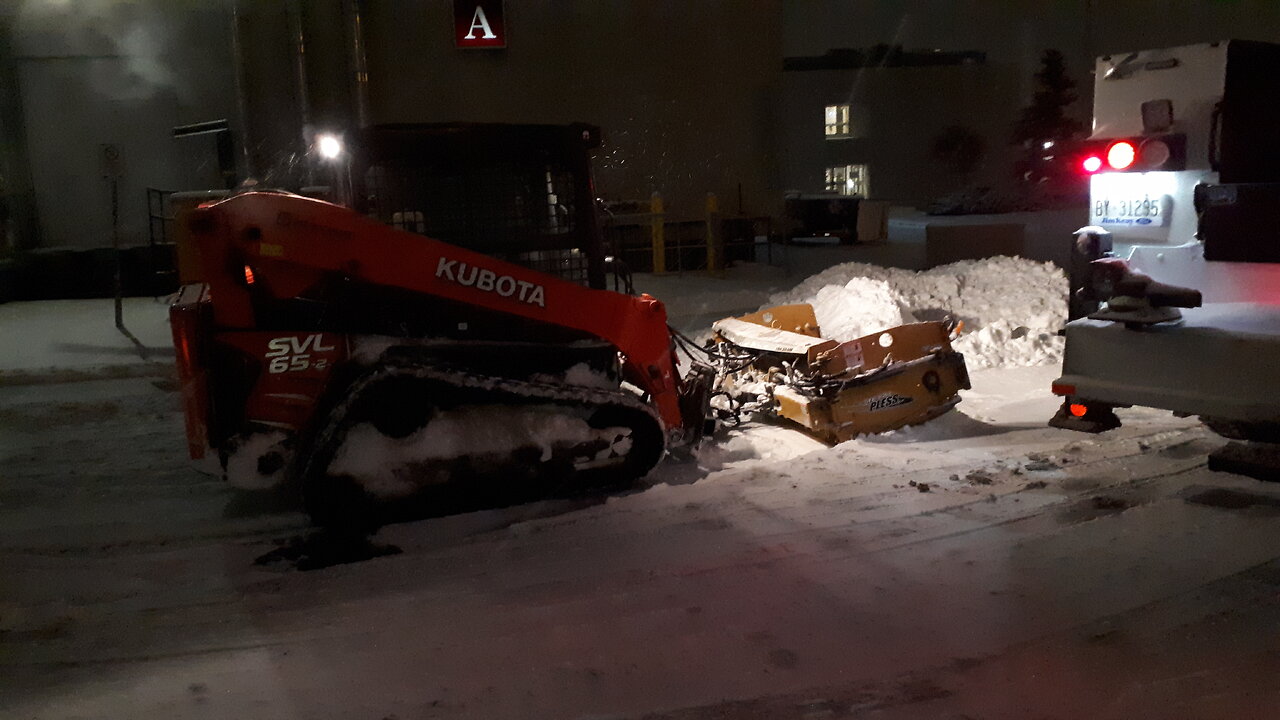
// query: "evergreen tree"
[[1046, 135]]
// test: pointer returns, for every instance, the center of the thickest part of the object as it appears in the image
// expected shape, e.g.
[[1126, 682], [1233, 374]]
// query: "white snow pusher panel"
[[769, 339]]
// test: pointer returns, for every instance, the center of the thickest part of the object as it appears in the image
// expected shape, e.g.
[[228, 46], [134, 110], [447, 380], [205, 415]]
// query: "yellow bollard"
[[657, 229], [713, 236]]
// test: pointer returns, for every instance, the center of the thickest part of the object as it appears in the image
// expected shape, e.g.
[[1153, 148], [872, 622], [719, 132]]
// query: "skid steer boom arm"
[[283, 244]]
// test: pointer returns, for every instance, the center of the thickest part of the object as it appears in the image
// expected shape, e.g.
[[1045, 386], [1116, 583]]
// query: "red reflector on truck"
[[1078, 410], [1059, 389]]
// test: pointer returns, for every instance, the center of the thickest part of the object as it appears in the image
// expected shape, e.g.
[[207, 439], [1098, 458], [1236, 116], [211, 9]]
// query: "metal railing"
[[649, 242], [162, 266]]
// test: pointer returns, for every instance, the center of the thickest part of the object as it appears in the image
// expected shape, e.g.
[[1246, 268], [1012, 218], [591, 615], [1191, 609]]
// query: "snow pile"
[[1003, 344], [878, 306], [1011, 307]]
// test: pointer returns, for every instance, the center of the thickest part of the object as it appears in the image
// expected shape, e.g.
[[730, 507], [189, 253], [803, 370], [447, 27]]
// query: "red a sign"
[[479, 24]]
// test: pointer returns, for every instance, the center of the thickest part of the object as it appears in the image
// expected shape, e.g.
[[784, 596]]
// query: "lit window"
[[848, 180], [837, 121]]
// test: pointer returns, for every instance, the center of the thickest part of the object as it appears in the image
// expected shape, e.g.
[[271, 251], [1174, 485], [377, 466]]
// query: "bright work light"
[[329, 146]]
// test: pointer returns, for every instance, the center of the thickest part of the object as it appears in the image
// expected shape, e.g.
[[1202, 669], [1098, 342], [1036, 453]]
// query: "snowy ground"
[[982, 566], [71, 339]]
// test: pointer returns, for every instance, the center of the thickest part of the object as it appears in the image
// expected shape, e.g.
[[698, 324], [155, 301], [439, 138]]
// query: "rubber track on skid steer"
[[647, 448], [525, 390]]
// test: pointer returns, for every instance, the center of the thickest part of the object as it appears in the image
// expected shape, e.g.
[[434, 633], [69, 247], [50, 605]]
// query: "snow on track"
[[384, 465]]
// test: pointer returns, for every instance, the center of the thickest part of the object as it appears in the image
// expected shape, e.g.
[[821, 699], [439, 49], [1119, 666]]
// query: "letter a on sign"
[[479, 24]]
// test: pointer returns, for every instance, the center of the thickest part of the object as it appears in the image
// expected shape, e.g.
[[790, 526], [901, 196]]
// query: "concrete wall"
[[96, 72], [690, 95], [684, 91]]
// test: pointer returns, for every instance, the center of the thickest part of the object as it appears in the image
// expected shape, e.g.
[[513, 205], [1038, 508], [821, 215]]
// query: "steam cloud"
[[123, 43]]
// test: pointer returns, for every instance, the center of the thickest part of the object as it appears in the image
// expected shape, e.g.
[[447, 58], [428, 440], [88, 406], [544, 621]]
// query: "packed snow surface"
[[918, 573], [1012, 308]]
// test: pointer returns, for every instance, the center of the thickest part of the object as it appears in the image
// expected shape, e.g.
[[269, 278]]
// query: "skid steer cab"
[[447, 338]]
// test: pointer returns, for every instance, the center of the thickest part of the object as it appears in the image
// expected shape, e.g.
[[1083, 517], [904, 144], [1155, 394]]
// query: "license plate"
[[1130, 210]]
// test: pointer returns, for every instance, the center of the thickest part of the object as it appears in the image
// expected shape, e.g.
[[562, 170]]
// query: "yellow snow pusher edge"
[[905, 375]]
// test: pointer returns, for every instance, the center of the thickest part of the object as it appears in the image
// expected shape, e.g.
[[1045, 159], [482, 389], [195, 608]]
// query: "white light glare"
[[330, 146], [1047, 144]]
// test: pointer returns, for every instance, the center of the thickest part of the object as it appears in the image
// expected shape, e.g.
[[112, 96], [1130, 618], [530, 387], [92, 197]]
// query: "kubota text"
[[489, 281]]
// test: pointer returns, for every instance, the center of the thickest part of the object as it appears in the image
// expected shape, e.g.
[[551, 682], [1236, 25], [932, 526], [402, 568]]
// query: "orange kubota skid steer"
[[350, 351]]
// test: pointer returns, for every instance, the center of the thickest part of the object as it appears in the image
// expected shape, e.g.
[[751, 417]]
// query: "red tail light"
[[1134, 154], [248, 275], [1078, 409], [1121, 155]]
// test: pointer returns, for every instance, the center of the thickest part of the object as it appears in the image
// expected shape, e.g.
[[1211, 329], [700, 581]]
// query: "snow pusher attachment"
[[776, 361]]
